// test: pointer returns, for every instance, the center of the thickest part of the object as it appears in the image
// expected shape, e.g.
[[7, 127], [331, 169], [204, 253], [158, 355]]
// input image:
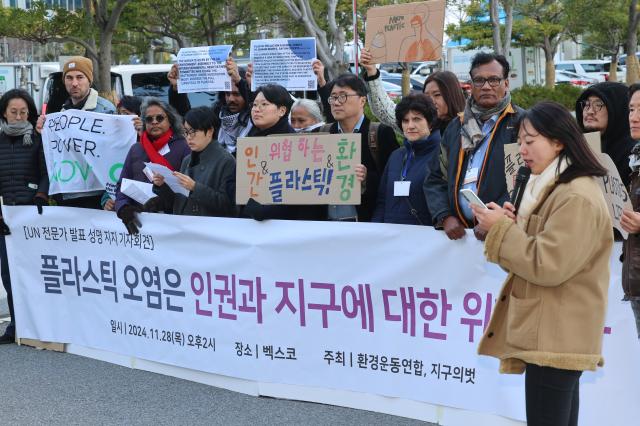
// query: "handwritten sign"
[[85, 151], [611, 184], [298, 169], [202, 69], [406, 32], [284, 61]]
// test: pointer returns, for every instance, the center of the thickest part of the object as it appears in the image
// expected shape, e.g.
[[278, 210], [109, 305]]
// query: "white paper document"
[[169, 178], [139, 191]]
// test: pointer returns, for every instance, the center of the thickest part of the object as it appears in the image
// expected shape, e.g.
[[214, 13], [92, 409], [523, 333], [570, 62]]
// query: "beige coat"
[[551, 309]]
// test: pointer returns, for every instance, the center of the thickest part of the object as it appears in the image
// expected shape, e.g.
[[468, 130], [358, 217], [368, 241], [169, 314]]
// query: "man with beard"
[[604, 108], [472, 149], [231, 107]]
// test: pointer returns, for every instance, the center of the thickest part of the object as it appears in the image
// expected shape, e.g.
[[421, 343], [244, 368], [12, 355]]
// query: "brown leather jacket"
[[631, 247]]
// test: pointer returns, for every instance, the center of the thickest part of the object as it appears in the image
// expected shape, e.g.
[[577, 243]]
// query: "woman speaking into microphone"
[[549, 317]]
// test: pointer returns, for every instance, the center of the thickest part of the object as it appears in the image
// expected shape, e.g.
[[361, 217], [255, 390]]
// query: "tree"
[[498, 45], [632, 43]]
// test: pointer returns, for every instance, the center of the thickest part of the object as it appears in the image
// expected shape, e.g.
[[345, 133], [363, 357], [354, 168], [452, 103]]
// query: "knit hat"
[[79, 63]]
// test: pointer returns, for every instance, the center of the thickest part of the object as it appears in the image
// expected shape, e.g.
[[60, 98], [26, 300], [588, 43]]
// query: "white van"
[[594, 68]]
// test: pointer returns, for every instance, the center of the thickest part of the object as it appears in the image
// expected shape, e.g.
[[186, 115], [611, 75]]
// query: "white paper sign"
[[169, 178], [85, 151], [273, 302], [284, 61], [202, 69]]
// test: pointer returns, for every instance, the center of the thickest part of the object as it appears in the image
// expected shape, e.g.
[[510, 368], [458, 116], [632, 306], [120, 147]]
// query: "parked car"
[[568, 77], [395, 78], [393, 90], [594, 68]]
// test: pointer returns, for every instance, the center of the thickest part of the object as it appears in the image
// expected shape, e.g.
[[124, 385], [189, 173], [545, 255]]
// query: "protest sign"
[[85, 151], [613, 188], [202, 69], [284, 61], [406, 32], [315, 304], [299, 169]]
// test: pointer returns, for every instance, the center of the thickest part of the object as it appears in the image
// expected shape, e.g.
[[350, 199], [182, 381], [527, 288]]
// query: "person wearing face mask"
[[604, 108], [400, 195], [23, 173], [442, 87], [270, 116], [305, 116], [161, 142], [208, 173], [630, 220], [232, 107], [548, 319]]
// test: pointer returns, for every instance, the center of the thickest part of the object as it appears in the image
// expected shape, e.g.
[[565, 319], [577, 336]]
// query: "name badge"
[[471, 176], [401, 188], [164, 150]]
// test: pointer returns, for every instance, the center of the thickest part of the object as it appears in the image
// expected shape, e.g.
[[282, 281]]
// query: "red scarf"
[[152, 148]]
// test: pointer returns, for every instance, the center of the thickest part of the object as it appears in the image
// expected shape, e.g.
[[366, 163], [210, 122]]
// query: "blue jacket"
[[392, 209]]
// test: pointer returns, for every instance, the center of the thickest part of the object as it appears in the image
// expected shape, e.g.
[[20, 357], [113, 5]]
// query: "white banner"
[[202, 69], [385, 309], [85, 151], [284, 61]]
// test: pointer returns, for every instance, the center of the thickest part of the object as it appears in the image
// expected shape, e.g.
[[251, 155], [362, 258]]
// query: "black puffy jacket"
[[23, 171]]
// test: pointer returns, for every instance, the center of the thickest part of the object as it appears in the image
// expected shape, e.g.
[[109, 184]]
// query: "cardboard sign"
[[406, 32], [614, 191], [202, 69], [298, 169], [284, 61]]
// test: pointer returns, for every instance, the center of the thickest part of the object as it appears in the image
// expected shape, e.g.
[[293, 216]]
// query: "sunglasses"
[[157, 118]]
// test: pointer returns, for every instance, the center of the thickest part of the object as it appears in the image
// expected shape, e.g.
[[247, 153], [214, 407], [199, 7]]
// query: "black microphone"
[[521, 182]]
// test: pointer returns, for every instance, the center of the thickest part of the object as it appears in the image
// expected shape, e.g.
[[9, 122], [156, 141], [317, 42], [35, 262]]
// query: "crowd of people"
[[416, 159]]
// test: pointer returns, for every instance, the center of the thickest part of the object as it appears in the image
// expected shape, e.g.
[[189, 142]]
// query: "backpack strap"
[[373, 142]]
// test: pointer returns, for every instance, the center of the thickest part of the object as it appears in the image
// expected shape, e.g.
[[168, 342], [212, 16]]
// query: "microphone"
[[521, 182]]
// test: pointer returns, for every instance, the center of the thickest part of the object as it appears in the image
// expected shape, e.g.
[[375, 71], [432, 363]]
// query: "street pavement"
[[43, 387]]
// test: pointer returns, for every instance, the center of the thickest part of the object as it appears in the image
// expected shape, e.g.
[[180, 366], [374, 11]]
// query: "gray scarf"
[[231, 128], [473, 116], [634, 158], [20, 128]]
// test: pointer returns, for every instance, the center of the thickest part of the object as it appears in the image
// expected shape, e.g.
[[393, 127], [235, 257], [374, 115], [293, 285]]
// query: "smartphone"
[[472, 198]]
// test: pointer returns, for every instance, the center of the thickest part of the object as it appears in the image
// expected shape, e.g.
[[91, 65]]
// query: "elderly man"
[[604, 108], [77, 74], [472, 149]]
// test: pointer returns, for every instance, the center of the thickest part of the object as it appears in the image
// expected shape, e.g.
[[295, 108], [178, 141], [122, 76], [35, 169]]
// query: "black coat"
[[23, 170]]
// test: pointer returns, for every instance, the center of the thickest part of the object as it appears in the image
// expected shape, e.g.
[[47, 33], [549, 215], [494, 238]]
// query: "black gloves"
[[4, 229], [254, 210], [128, 215], [39, 203]]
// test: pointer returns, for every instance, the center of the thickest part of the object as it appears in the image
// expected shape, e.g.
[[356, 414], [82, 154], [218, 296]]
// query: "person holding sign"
[[630, 220], [400, 196], [472, 149], [208, 173], [162, 142], [442, 87], [550, 313], [23, 173], [270, 116]]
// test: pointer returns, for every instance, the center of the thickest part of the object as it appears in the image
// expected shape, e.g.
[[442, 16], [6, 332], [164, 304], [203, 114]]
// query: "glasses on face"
[[479, 82], [157, 118], [595, 106], [18, 113], [189, 133], [260, 106], [340, 99]]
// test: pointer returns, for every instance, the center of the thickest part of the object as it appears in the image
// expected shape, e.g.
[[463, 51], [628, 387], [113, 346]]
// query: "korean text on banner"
[[284, 61], [299, 169], [406, 32], [613, 189], [202, 69], [85, 151], [277, 304]]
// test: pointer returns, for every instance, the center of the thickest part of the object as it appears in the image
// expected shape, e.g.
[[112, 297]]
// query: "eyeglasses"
[[190, 133], [17, 113], [340, 99], [260, 106], [479, 82], [158, 118], [594, 106]]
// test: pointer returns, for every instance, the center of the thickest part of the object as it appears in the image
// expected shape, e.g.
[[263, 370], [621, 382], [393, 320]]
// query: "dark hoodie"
[[616, 140]]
